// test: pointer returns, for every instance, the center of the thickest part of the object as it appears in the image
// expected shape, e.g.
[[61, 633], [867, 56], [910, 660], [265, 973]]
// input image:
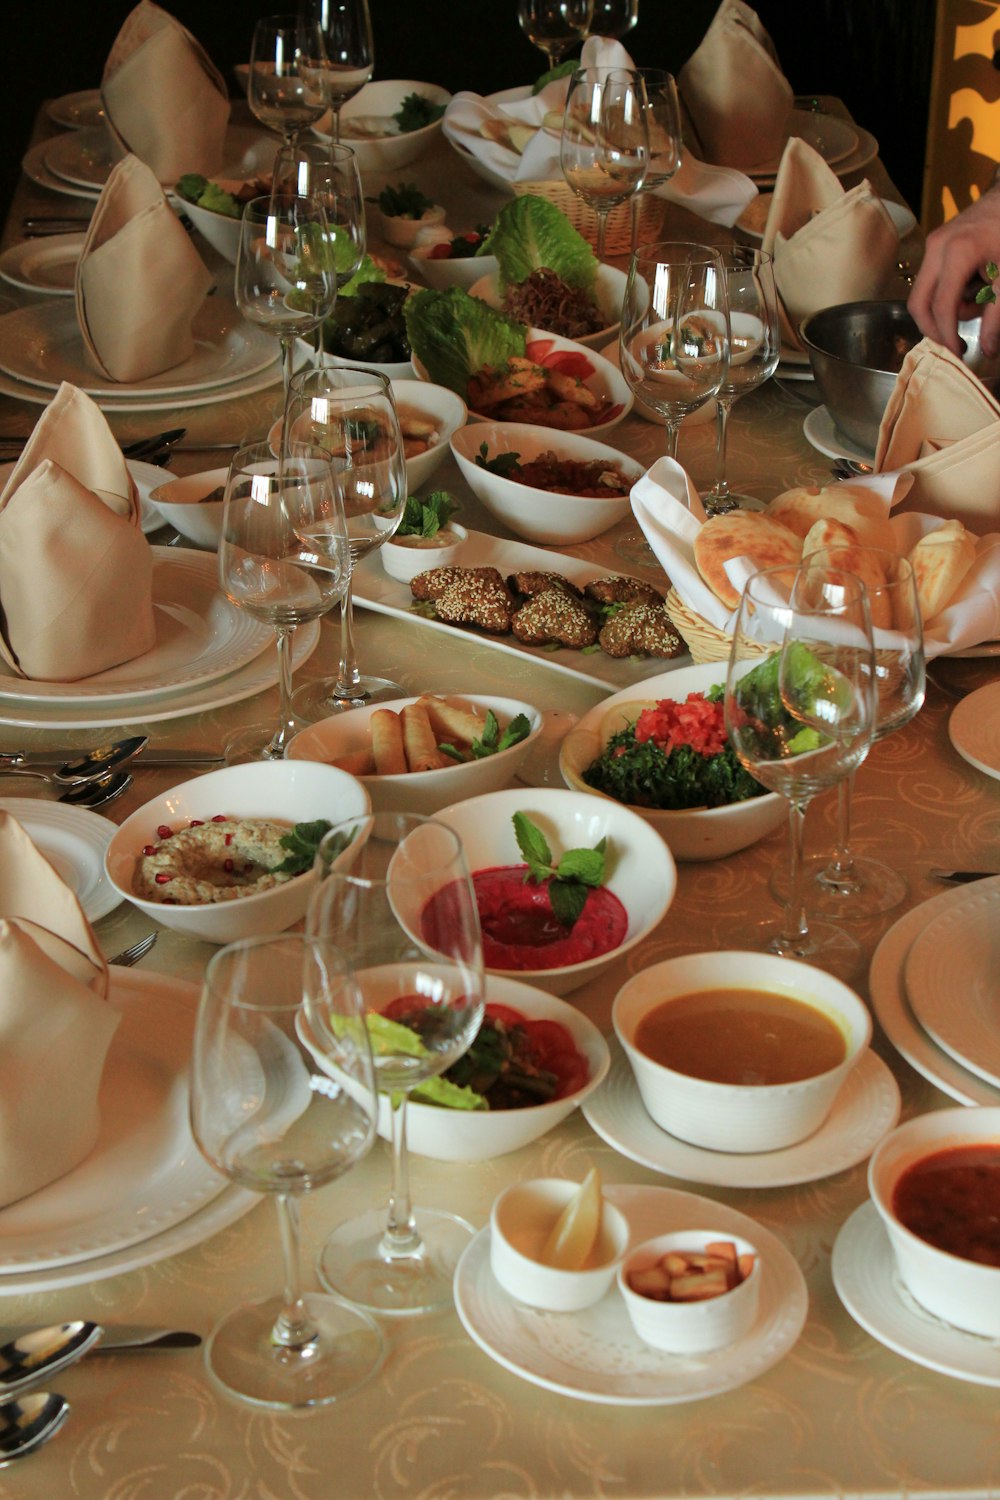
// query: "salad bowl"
[[375, 106]]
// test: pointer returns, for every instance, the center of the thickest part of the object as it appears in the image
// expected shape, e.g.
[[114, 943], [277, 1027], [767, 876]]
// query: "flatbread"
[[849, 554], [940, 561], [742, 533], [801, 507]]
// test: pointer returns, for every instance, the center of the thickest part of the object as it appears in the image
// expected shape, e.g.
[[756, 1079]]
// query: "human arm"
[[956, 254]]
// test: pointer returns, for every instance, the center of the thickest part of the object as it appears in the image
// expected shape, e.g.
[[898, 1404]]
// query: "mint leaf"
[[568, 900], [583, 865], [302, 841], [517, 730], [578, 870], [504, 464], [533, 846]]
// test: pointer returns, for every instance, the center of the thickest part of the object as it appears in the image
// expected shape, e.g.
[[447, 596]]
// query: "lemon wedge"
[[574, 1234]]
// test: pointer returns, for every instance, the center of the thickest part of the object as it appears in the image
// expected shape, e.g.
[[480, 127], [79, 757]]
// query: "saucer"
[[974, 729], [826, 437]]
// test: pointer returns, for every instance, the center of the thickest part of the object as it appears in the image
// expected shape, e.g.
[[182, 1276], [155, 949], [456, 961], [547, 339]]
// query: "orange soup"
[[741, 1036]]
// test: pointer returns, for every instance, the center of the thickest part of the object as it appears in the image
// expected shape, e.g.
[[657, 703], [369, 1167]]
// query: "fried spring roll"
[[387, 743], [422, 753], [452, 723], [357, 763]]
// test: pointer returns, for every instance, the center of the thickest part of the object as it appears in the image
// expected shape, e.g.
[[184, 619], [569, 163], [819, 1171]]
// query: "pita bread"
[[799, 508], [940, 561], [742, 533], [867, 563]]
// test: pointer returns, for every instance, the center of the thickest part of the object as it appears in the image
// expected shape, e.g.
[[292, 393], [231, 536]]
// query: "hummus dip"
[[218, 860]]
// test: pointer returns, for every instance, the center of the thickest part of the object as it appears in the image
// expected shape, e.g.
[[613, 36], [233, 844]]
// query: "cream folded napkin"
[[75, 569], [739, 101], [164, 99], [56, 1022], [139, 279]]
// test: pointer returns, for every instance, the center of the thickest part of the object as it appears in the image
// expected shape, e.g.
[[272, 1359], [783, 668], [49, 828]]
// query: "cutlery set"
[[93, 778]]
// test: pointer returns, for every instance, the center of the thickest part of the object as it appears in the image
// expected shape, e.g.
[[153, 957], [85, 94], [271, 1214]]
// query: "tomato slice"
[[505, 1013], [569, 362], [553, 1048], [404, 1007]]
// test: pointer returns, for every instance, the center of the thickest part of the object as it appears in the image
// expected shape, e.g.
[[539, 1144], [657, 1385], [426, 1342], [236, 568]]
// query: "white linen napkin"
[[75, 569], [732, 85], [139, 279], [56, 1022], [164, 99]]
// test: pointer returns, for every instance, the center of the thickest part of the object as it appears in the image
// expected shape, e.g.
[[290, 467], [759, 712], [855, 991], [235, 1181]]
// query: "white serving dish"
[[180, 502], [520, 1220], [442, 407], [461, 270], [387, 153]]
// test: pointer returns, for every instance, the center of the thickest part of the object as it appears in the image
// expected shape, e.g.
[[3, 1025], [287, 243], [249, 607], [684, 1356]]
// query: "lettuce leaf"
[[367, 271], [454, 335], [530, 232]]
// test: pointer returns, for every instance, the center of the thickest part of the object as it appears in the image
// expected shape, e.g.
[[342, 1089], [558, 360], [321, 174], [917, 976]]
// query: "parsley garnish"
[[415, 112], [986, 293], [491, 741], [302, 841], [578, 870], [504, 464]]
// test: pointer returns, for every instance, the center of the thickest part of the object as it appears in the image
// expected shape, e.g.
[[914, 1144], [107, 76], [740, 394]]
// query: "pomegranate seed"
[[227, 865], [196, 822], [220, 818], [170, 901], [163, 878], [164, 831], [149, 848]]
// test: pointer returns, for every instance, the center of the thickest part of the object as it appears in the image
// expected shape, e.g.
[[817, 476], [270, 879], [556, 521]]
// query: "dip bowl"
[[182, 503], [287, 791], [520, 1221], [403, 557], [380, 101], [690, 1327], [609, 290], [639, 868], [738, 1117], [963, 1292]]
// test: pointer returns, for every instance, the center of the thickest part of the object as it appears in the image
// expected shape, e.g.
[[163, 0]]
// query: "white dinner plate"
[[81, 110], [246, 152], [73, 840], [256, 676], [83, 157], [866, 1109], [43, 265], [146, 476], [974, 728], [200, 637], [864, 152], [753, 220], [958, 954], [886, 985], [372, 587], [43, 346], [595, 1355], [826, 437], [834, 139], [868, 1284], [21, 390], [33, 166], [145, 1173]]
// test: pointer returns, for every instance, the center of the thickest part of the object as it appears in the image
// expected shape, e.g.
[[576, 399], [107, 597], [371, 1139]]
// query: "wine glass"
[[555, 25], [799, 707], [263, 1117], [754, 347], [604, 149], [395, 895], [352, 413], [284, 558], [287, 88], [350, 51], [848, 885], [665, 137], [613, 17], [285, 282]]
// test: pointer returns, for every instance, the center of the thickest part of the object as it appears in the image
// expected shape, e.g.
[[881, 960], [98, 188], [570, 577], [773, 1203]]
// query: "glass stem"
[[723, 407], [794, 938], [840, 874], [293, 1327], [673, 433], [401, 1236], [287, 371], [275, 749], [636, 199], [602, 231], [348, 676]]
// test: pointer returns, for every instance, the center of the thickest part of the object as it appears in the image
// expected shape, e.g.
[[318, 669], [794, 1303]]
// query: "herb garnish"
[[426, 517], [578, 870], [415, 112], [491, 741], [302, 841], [404, 201], [986, 293], [504, 464]]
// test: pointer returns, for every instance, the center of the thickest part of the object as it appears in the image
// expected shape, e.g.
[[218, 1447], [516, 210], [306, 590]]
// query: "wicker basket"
[[583, 218], [705, 642]]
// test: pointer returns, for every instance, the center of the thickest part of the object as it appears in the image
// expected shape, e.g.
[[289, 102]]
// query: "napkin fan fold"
[[737, 97]]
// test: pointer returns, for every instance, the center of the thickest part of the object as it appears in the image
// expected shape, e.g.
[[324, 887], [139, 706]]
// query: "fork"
[[131, 955]]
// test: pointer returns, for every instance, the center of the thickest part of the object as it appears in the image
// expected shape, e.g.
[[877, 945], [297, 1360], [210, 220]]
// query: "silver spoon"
[[98, 791], [34, 1356], [28, 1423], [91, 763]]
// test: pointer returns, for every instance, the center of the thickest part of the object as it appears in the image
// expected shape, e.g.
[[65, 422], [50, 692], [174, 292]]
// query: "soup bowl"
[[952, 1286], [739, 1116]]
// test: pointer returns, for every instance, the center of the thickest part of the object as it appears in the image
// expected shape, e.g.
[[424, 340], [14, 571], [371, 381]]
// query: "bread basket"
[[705, 642], [583, 218]]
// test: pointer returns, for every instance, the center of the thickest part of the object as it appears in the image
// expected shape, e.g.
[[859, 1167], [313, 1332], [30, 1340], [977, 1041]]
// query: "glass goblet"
[[799, 707], [556, 26], [284, 558], [350, 51], [395, 895], [604, 150], [613, 17], [664, 118], [754, 347], [261, 1116], [287, 86]]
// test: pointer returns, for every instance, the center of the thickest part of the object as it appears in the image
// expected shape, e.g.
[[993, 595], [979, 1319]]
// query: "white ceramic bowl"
[[420, 791], [463, 270], [700, 417], [221, 231], [597, 373], [182, 503], [609, 289], [402, 560], [440, 406], [480, 1135], [729, 1116], [962, 1292], [292, 792], [691, 1327], [539, 515], [520, 1221], [640, 869], [382, 100], [403, 232], [696, 833]]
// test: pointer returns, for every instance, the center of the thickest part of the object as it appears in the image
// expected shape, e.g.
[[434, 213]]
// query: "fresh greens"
[[504, 464], [561, 70], [302, 841], [426, 517], [367, 272], [986, 293], [530, 232], [491, 741], [389, 1038], [577, 871], [415, 112], [454, 335], [759, 694], [204, 194], [404, 201]]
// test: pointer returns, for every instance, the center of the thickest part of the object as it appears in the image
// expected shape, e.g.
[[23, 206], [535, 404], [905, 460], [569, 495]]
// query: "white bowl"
[[292, 792], [700, 417], [182, 503], [604, 379], [730, 1116], [394, 370], [382, 100], [695, 833], [640, 870], [403, 559], [441, 406], [462, 270], [963, 1292], [691, 1327], [403, 232], [221, 231], [540, 515], [609, 290], [520, 1221], [420, 791]]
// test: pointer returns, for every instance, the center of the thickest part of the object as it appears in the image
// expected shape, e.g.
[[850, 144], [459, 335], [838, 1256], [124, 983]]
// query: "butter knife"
[[159, 757], [962, 877], [121, 1336]]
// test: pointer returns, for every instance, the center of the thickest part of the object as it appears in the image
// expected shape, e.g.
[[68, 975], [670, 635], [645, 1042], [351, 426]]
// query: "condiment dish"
[[738, 1116], [609, 290], [403, 557], [696, 1327], [520, 1222], [184, 503], [377, 103], [441, 272]]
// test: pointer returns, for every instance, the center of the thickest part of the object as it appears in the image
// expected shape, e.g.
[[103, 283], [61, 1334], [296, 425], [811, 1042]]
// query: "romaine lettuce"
[[454, 335], [530, 232]]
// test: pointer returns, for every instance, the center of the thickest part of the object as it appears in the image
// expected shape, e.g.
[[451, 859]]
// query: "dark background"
[[875, 54]]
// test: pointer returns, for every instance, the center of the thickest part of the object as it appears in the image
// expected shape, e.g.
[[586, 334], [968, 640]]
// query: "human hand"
[[944, 292]]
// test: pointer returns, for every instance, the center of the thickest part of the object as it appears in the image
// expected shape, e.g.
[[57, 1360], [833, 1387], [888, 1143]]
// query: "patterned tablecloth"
[[840, 1414]]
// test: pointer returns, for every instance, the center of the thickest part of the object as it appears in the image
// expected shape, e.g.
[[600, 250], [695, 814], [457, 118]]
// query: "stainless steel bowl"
[[855, 350]]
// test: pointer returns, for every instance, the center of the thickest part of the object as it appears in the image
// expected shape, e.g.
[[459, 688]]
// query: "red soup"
[[952, 1200]]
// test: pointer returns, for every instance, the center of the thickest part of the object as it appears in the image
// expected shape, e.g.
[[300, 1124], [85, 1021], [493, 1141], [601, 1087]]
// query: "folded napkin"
[[670, 513], [56, 1022], [164, 100], [139, 279], [739, 101], [75, 568]]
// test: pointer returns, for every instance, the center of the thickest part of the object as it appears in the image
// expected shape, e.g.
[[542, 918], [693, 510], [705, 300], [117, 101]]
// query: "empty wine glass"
[[284, 558], [263, 1115], [395, 895], [799, 707], [664, 118], [754, 347], [350, 51], [604, 150], [613, 17], [352, 413], [287, 88], [555, 26]]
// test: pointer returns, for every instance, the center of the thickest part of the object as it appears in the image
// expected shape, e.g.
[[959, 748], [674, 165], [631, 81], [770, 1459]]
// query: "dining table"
[[841, 1412]]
